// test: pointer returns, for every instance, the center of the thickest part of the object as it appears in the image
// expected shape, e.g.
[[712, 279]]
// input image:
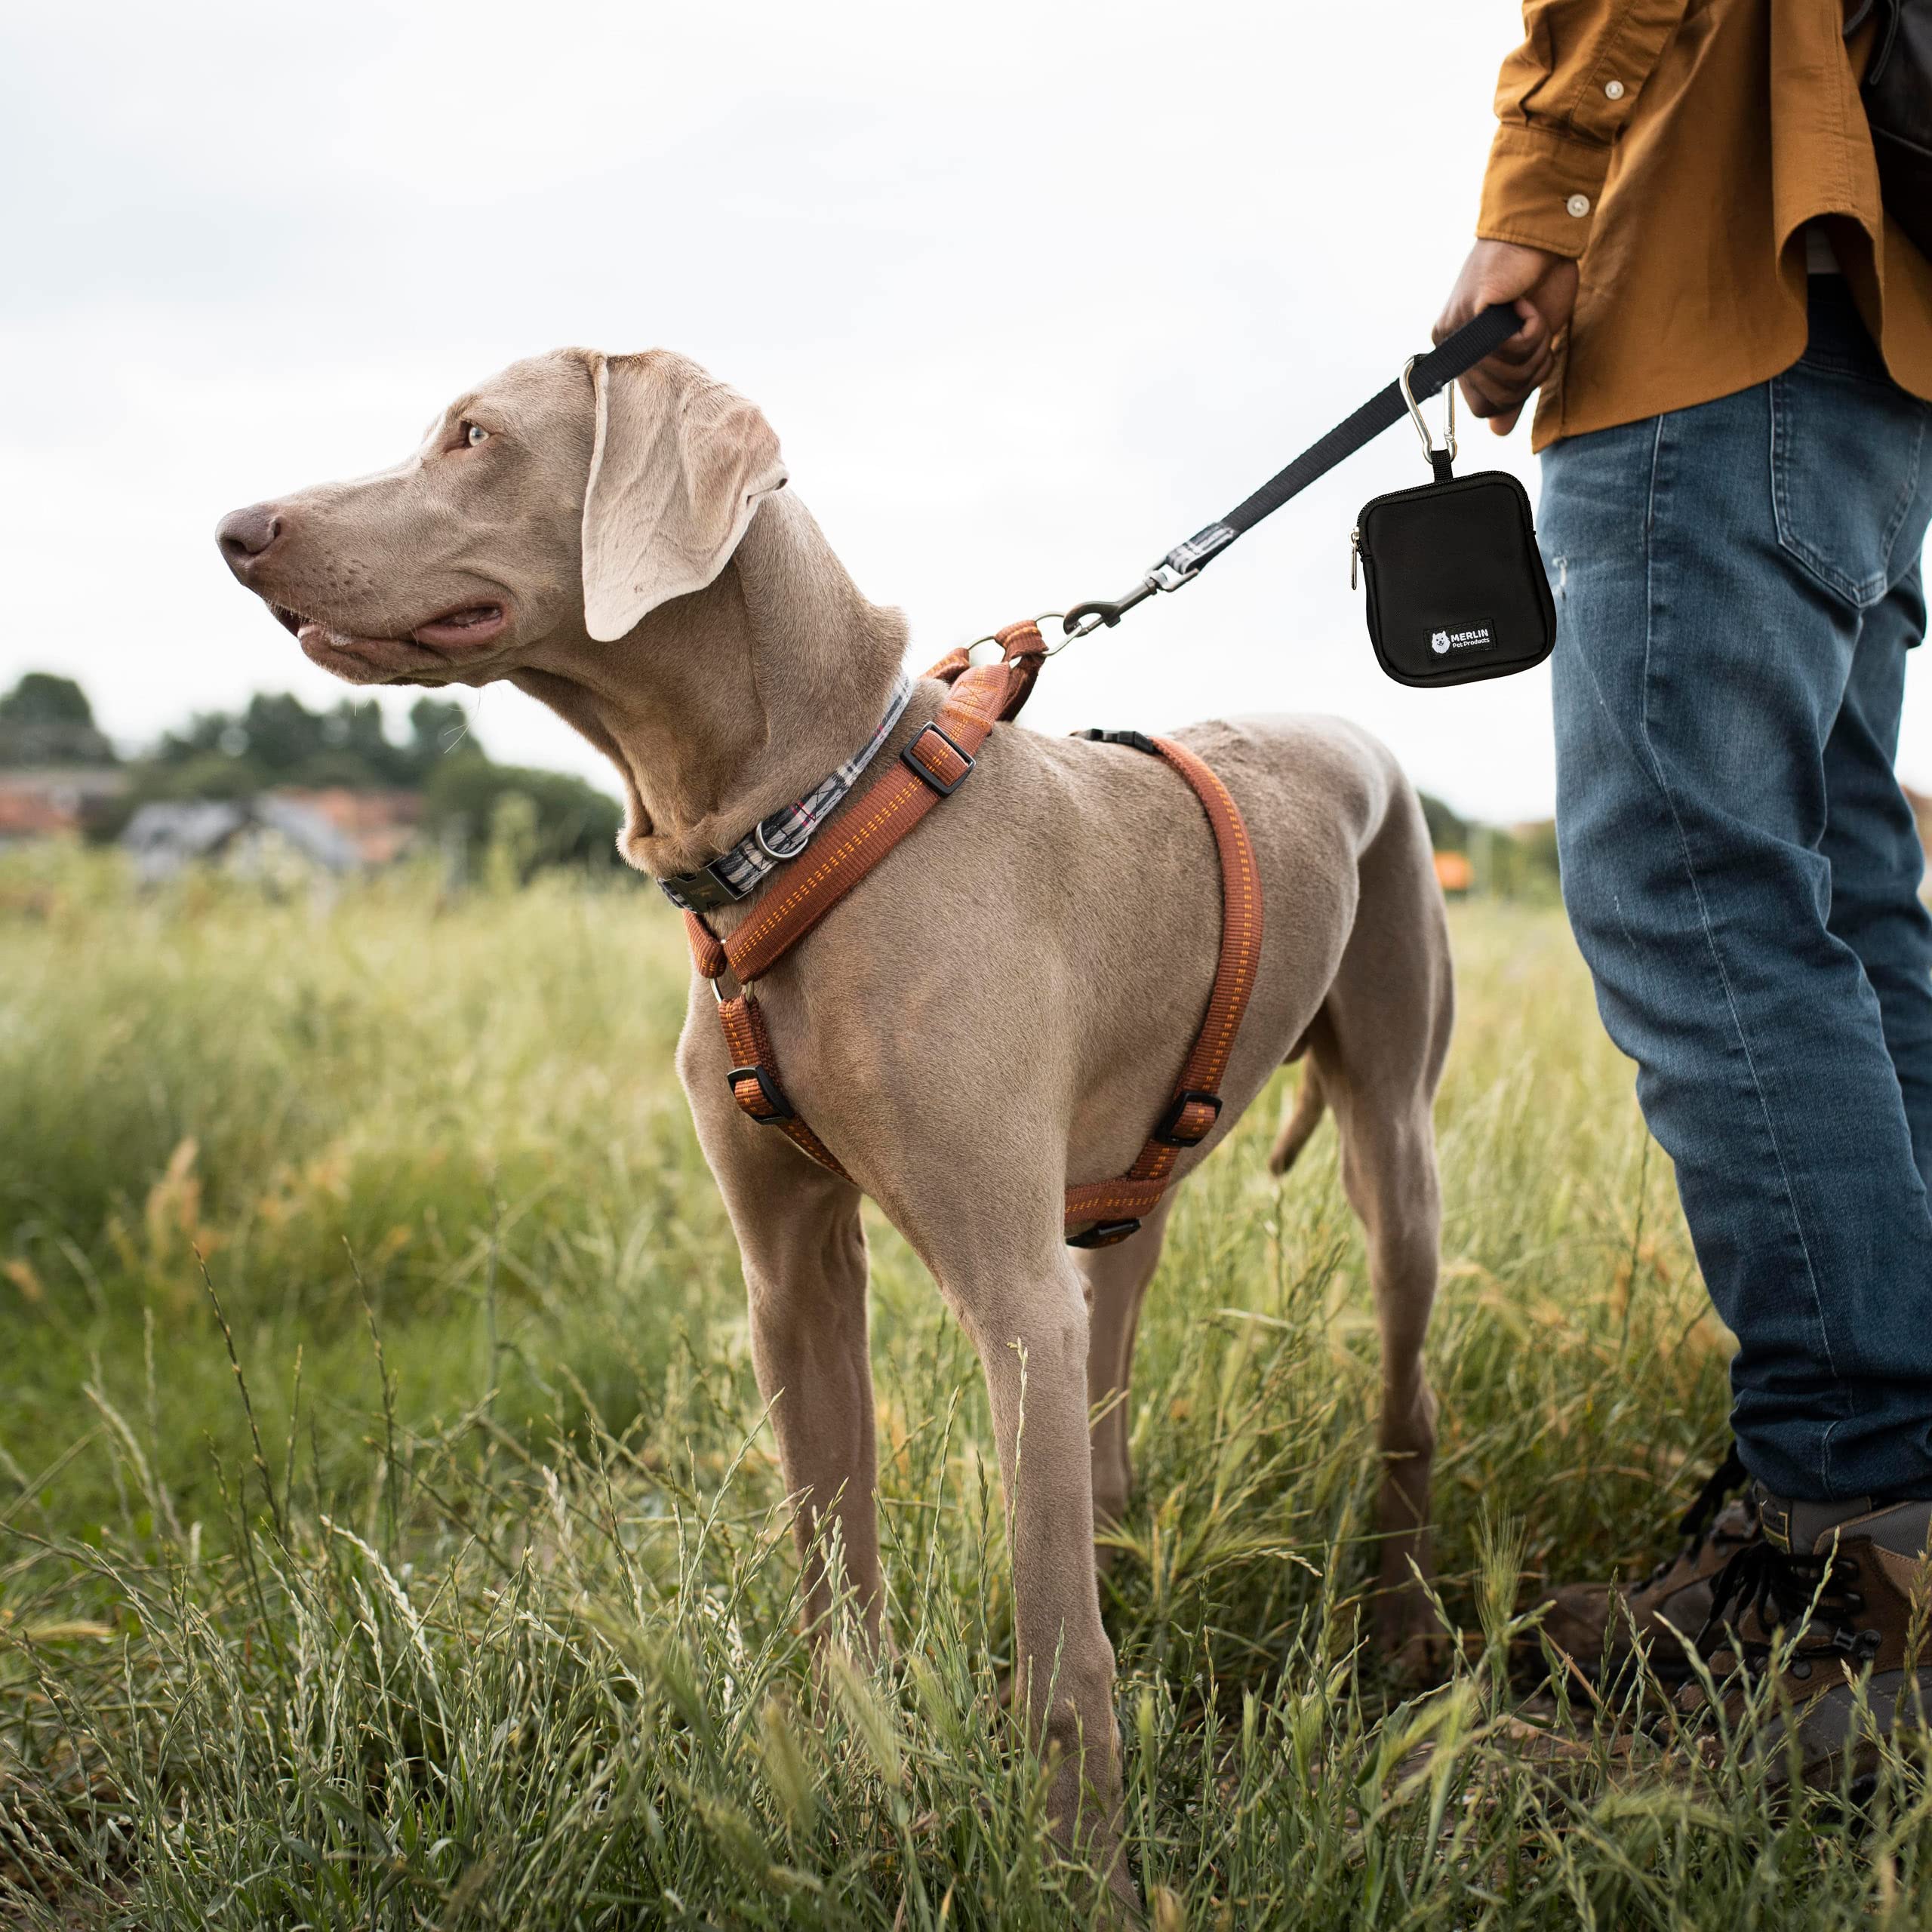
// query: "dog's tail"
[[1309, 1107]]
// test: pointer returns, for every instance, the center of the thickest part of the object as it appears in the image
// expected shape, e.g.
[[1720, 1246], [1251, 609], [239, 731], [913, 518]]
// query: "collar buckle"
[[704, 891], [780, 835]]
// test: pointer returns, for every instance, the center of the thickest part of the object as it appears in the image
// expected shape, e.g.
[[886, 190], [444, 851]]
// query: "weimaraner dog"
[[999, 1008]]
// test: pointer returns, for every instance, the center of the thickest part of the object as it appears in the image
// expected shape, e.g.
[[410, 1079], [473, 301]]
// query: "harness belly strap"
[[937, 761], [1109, 1211]]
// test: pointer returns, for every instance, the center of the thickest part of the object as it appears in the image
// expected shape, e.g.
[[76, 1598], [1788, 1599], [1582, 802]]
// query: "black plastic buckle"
[[1104, 1234], [944, 790], [775, 1095], [701, 891], [1168, 1132], [1138, 740]]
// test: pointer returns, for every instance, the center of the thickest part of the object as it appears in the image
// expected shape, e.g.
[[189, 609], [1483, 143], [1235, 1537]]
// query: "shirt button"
[[1614, 89], [1578, 205]]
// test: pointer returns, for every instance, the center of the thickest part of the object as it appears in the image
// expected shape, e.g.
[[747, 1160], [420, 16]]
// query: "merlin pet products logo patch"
[[1476, 637]]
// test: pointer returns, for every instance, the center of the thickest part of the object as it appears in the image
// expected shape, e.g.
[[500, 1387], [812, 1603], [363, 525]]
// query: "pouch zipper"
[[1354, 554]]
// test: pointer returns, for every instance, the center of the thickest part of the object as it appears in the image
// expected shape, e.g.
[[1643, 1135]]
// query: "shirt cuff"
[[1542, 190]]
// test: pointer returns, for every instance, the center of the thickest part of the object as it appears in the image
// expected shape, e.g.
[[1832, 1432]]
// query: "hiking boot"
[[1828, 1594], [1597, 1626]]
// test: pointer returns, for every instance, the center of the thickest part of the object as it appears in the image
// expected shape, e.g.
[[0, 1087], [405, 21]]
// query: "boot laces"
[[1779, 1588], [1699, 1522]]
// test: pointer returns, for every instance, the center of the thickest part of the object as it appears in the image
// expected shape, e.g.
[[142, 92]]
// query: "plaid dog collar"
[[786, 833]]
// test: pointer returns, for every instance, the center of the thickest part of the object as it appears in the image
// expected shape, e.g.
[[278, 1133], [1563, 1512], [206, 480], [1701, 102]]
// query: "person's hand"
[[1543, 287]]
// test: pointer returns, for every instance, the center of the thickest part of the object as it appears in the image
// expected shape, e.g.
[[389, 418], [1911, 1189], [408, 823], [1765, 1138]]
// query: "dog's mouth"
[[450, 637], [468, 624]]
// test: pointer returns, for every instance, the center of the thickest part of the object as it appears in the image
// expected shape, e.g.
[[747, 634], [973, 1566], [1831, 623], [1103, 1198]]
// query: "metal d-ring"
[[1054, 650], [1039, 618], [765, 846], [1421, 426]]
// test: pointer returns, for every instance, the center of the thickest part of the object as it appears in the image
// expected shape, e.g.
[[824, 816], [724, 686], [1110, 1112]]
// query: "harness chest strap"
[[932, 766]]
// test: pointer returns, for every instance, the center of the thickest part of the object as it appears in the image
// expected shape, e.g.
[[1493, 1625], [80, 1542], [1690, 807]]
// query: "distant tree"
[[349, 744], [211, 775], [439, 728], [1538, 844], [1448, 830], [568, 822], [42, 698], [534, 818], [47, 720]]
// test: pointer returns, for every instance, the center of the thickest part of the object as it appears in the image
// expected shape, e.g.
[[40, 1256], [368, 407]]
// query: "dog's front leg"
[[1023, 1304], [803, 1252], [805, 1272]]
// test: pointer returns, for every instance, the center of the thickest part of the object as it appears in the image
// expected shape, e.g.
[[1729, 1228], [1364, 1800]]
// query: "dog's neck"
[[724, 706]]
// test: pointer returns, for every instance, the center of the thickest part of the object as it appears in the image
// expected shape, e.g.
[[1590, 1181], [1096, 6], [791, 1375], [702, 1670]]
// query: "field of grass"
[[424, 1562]]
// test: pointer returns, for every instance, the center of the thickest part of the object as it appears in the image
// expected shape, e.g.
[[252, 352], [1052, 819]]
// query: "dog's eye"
[[474, 433]]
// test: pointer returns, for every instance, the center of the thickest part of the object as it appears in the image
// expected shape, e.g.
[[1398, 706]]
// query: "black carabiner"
[[1110, 611]]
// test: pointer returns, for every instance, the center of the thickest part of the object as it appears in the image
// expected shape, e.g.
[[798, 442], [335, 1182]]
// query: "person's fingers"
[[1488, 394], [1500, 402], [1482, 400], [1529, 327], [1465, 304], [1452, 317], [1469, 295], [1467, 301], [1524, 375], [1529, 343], [1501, 382], [1486, 405]]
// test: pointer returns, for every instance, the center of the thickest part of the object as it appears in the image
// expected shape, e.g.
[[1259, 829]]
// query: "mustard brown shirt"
[[1678, 150]]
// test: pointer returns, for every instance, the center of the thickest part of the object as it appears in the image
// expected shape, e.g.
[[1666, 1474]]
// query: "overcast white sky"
[[1029, 291]]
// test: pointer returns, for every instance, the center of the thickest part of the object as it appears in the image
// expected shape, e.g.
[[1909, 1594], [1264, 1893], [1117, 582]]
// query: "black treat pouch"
[[1456, 586]]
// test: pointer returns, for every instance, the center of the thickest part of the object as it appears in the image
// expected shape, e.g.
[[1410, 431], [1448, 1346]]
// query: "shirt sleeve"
[[1562, 99]]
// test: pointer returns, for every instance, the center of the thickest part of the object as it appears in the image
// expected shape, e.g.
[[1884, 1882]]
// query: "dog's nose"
[[244, 535]]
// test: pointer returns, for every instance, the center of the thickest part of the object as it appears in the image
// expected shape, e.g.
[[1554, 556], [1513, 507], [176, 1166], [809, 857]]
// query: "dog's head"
[[571, 495]]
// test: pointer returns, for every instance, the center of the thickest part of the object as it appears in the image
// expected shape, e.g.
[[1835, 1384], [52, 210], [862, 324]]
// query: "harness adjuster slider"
[[952, 757], [779, 1108], [1175, 1129], [1104, 1234], [1138, 740]]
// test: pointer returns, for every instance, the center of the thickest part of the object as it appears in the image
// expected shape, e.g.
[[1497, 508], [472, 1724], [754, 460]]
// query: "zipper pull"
[[1355, 555]]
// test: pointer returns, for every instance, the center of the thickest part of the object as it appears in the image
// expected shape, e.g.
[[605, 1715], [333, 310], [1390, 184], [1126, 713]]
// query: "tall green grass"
[[461, 1593]]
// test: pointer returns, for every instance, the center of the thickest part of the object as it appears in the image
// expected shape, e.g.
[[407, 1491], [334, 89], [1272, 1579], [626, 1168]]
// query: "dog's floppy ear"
[[677, 467]]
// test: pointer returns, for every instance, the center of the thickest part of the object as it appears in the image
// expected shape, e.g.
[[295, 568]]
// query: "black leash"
[[1425, 376]]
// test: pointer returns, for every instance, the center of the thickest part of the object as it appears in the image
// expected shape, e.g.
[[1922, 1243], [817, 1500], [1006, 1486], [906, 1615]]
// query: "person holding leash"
[[1731, 333]]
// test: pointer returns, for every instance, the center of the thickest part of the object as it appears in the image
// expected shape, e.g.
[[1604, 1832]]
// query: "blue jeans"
[[1737, 585]]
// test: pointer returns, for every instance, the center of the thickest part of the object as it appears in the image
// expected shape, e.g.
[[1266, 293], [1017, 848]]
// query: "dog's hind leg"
[[1117, 1279], [1300, 1127], [1378, 1055], [1389, 1170]]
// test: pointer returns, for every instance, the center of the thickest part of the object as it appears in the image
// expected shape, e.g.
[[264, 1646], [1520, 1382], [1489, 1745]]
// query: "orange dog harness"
[[937, 761]]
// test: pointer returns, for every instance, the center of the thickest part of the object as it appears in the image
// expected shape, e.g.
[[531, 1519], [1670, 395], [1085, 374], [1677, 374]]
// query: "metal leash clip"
[[1448, 452], [1180, 566]]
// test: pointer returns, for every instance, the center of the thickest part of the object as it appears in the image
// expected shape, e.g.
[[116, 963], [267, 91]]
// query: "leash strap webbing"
[[1482, 336]]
